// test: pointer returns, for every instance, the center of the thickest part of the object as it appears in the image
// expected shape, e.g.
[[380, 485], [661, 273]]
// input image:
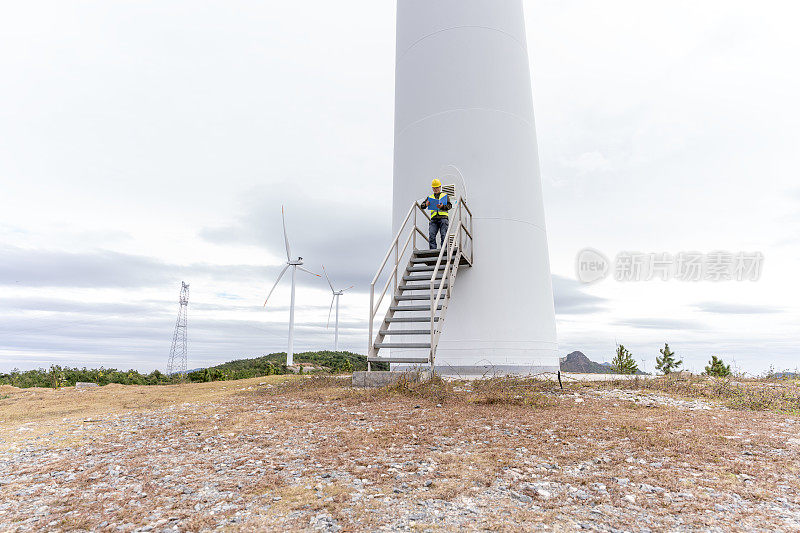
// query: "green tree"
[[667, 363], [717, 368], [623, 362], [56, 377], [155, 377]]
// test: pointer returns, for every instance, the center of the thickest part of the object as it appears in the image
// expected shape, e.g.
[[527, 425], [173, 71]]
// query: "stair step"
[[428, 261], [386, 332], [413, 307], [420, 277], [398, 360], [431, 261], [402, 345], [412, 319], [425, 268], [421, 287], [433, 253], [428, 253], [408, 298]]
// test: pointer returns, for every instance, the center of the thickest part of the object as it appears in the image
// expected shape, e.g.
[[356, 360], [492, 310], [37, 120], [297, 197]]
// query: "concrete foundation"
[[377, 379]]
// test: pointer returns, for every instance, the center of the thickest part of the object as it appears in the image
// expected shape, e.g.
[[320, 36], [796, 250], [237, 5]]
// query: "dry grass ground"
[[40, 410], [294, 453]]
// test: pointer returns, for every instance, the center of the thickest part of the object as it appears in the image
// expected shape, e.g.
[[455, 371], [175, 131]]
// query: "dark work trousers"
[[437, 225]]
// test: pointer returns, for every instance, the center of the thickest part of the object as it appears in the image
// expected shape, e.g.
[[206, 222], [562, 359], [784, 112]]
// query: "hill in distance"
[[260, 366], [577, 362]]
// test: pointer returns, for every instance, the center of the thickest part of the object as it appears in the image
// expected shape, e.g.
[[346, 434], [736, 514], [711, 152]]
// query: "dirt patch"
[[318, 455]]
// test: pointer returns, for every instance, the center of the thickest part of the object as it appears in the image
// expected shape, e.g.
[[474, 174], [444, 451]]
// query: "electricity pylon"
[[178, 353]]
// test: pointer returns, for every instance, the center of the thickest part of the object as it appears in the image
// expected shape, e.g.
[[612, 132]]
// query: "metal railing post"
[[471, 240], [371, 348], [396, 265], [433, 314], [414, 229]]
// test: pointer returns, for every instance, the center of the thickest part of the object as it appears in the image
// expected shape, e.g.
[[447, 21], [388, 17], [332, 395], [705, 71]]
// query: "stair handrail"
[[393, 275], [455, 250]]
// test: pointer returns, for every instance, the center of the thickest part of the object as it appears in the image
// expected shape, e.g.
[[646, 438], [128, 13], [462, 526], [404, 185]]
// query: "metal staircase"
[[421, 291]]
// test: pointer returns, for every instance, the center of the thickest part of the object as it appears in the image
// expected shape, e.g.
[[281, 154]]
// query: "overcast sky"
[[146, 143]]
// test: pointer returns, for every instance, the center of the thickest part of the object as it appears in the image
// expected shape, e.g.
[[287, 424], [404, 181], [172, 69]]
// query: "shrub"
[[667, 363], [753, 394], [623, 362], [717, 368]]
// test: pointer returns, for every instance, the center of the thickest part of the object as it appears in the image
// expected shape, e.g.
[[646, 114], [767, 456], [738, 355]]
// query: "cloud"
[[347, 236], [570, 299], [144, 342], [588, 163], [23, 267], [46, 268], [59, 305], [737, 309], [661, 323], [159, 147]]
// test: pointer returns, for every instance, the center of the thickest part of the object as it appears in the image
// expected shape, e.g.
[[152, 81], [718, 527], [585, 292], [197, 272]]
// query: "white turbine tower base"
[[295, 264], [463, 102], [335, 298]]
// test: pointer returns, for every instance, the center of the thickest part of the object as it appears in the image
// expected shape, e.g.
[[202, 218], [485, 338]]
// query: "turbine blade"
[[306, 270], [348, 288], [286, 237], [329, 313], [329, 279], [276, 283]]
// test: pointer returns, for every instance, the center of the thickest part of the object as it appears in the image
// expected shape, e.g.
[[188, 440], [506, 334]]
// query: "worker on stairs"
[[438, 204]]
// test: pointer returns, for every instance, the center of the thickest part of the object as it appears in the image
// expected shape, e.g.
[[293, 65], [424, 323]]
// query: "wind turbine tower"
[[463, 101], [295, 264], [336, 295]]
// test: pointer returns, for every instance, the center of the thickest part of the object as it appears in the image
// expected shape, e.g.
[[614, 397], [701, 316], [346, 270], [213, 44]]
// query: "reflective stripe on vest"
[[433, 201]]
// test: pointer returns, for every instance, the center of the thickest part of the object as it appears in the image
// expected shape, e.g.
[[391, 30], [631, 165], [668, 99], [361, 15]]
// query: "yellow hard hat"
[[436, 183]]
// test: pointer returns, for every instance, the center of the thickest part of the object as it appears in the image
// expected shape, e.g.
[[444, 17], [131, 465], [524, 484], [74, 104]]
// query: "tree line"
[[272, 364], [667, 363]]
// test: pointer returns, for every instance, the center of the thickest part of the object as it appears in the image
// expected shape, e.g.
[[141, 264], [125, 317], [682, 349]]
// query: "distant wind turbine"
[[335, 298], [295, 264]]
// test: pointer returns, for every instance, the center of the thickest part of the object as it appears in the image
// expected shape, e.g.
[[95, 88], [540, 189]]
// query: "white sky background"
[[145, 143]]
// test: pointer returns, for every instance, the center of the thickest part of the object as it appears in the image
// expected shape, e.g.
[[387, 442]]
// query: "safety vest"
[[433, 201]]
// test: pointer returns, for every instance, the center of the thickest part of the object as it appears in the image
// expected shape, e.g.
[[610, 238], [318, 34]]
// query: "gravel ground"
[[334, 459]]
